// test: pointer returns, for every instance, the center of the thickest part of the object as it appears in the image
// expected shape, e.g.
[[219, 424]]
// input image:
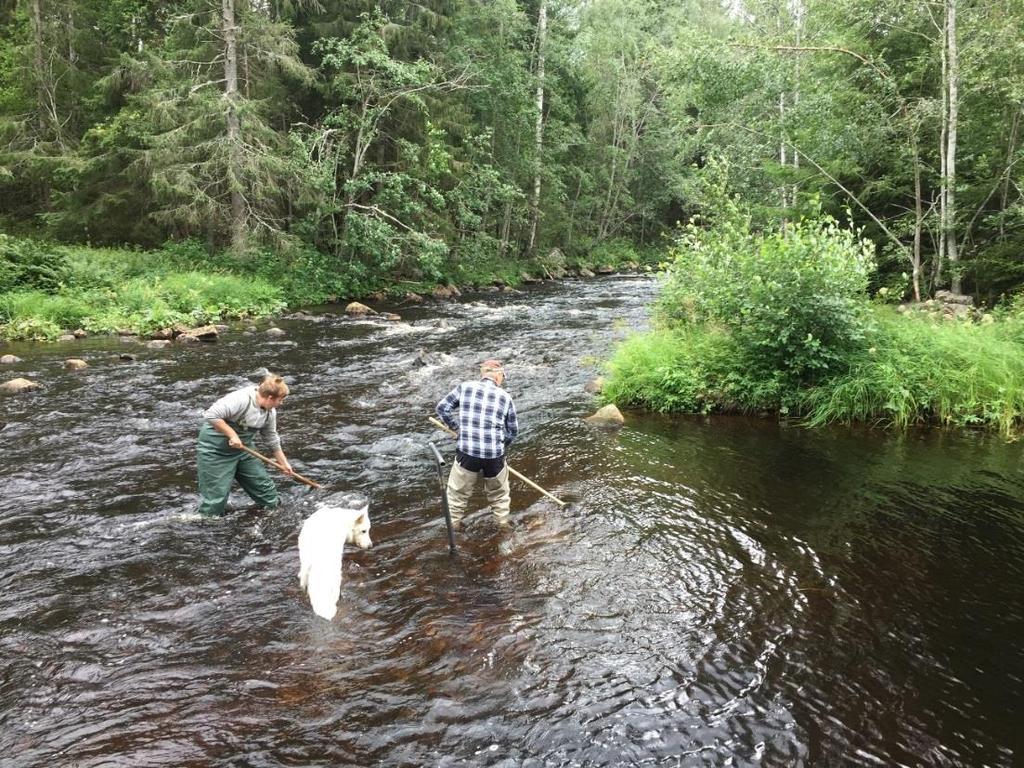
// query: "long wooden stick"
[[444, 427], [274, 464]]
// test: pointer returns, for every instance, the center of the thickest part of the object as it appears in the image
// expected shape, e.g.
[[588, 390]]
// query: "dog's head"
[[356, 510], [359, 533]]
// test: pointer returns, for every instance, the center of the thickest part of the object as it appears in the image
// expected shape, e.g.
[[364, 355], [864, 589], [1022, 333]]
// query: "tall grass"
[[690, 369], [105, 290], [910, 370], [919, 370]]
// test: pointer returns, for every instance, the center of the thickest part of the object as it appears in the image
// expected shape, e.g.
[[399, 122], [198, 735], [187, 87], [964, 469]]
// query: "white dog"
[[340, 520]]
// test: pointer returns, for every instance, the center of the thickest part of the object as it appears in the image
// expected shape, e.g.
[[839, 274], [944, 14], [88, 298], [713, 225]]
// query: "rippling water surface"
[[719, 592]]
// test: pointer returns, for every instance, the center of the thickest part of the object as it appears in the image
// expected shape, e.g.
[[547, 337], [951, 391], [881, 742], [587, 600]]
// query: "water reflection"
[[720, 591]]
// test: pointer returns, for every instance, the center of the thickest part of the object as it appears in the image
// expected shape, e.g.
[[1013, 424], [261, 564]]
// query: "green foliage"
[[919, 370], [614, 253], [109, 290], [915, 371], [794, 301], [26, 264], [690, 369]]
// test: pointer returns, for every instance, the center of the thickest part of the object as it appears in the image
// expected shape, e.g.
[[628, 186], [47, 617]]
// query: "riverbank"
[[909, 369], [47, 291]]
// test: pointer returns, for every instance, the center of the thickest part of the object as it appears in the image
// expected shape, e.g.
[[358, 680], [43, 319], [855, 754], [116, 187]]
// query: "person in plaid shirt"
[[486, 424]]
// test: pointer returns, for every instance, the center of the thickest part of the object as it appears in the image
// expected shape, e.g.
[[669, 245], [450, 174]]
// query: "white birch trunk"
[[538, 140], [229, 31], [953, 69]]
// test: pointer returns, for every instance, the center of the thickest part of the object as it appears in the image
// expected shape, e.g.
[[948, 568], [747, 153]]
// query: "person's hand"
[[287, 467], [235, 442]]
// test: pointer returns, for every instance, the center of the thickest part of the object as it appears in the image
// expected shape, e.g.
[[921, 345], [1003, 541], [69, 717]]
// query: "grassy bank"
[[779, 320], [908, 370], [47, 289]]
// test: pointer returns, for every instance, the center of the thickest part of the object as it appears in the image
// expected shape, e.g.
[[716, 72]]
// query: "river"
[[720, 591]]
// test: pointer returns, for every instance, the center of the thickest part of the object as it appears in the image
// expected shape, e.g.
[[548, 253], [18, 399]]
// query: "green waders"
[[219, 464]]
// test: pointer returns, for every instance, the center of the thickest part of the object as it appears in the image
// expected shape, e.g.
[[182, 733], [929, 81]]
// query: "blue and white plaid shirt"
[[486, 421]]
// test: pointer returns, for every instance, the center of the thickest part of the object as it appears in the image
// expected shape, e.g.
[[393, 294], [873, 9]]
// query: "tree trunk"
[[953, 69], [915, 260], [39, 65], [538, 139], [940, 256], [1011, 148], [234, 126]]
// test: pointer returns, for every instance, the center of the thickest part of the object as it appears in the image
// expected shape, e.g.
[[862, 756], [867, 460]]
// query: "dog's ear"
[[363, 518]]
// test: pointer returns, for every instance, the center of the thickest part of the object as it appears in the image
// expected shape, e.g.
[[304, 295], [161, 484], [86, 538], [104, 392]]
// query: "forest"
[[280, 152]]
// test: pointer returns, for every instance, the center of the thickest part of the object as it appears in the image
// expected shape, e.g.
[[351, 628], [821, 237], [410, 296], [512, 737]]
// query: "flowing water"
[[720, 591]]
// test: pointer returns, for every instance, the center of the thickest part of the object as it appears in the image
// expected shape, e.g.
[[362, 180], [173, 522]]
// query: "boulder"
[[160, 343], [441, 293], [162, 333], [79, 333], [584, 272], [126, 357], [413, 298], [454, 289], [594, 386], [391, 316], [274, 333], [609, 416], [15, 386], [66, 337], [75, 364], [358, 310], [10, 359], [606, 269], [204, 332], [948, 297], [201, 333]]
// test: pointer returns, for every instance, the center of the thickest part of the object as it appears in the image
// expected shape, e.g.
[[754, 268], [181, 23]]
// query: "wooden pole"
[[445, 428], [274, 464]]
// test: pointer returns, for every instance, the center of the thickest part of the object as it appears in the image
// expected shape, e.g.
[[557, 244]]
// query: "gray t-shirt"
[[240, 407]]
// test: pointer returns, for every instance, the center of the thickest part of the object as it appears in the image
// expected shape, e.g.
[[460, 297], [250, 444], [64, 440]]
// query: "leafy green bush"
[[613, 253], [793, 300], [26, 264], [691, 369]]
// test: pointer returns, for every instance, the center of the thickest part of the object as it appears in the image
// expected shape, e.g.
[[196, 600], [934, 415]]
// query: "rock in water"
[[609, 416]]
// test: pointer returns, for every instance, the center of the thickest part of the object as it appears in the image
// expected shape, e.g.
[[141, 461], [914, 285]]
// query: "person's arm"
[[225, 429], [279, 457], [228, 407], [511, 424], [448, 404], [273, 440]]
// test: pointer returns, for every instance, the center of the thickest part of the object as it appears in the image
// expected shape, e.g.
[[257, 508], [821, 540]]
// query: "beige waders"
[[461, 483]]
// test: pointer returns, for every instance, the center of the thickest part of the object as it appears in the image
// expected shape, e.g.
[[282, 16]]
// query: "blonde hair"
[[273, 386]]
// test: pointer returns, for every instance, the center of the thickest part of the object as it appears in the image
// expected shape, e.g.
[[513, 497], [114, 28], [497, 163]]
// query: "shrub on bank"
[[691, 369], [794, 301], [911, 370], [105, 290], [780, 322], [922, 370]]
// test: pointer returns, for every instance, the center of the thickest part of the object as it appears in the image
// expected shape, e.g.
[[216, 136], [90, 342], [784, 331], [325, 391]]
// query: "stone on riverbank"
[[75, 364], [10, 359], [356, 309]]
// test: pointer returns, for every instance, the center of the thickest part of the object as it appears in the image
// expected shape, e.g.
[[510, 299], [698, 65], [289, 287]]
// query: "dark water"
[[720, 592]]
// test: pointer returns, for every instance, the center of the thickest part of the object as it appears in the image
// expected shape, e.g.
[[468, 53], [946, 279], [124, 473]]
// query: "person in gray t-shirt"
[[228, 424]]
